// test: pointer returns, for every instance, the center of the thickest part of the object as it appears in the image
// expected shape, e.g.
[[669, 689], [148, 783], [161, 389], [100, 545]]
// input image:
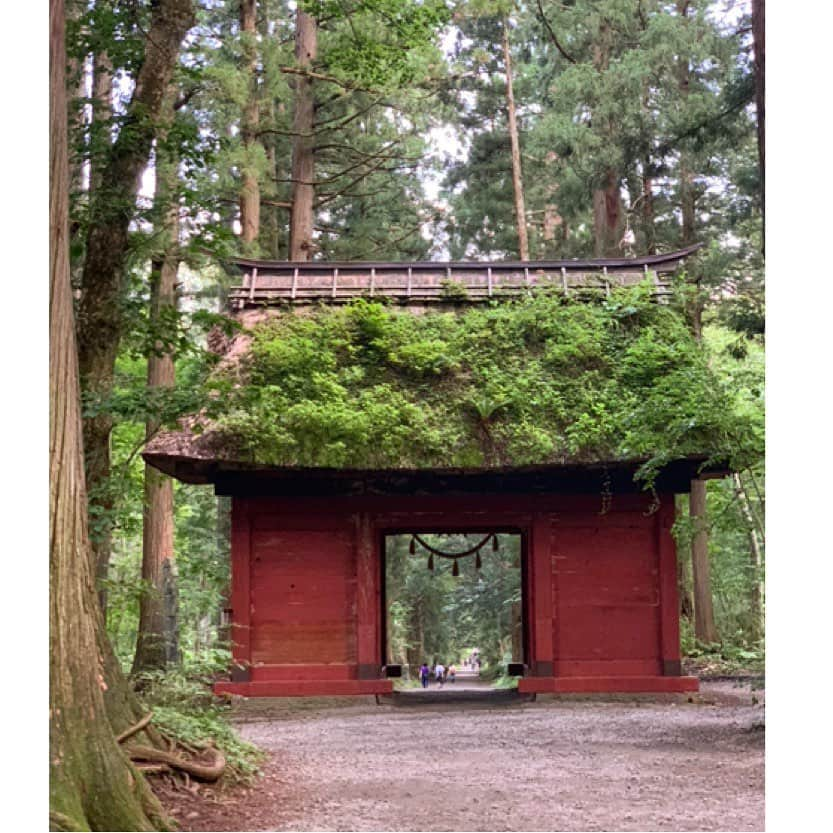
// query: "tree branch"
[[551, 33]]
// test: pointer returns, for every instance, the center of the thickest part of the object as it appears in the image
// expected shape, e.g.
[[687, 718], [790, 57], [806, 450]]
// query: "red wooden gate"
[[599, 589]]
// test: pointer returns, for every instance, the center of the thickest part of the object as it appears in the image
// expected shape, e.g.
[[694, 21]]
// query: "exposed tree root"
[[152, 769], [62, 822], [155, 761], [204, 772], [135, 728]]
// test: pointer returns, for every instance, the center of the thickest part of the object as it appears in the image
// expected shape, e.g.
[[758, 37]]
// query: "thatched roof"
[[543, 388]]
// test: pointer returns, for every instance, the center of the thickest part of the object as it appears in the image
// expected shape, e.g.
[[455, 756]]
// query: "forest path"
[[463, 682], [572, 764]]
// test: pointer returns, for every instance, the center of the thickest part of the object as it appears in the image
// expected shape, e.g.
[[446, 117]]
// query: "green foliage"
[[184, 709], [519, 383], [379, 46]]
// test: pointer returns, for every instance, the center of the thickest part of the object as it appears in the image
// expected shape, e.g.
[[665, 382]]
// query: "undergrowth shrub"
[[185, 709]]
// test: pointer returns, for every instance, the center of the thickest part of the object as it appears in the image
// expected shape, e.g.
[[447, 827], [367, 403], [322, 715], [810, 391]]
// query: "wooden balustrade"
[[274, 283]]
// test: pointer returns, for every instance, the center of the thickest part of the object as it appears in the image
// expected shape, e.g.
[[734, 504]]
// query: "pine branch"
[[551, 33]]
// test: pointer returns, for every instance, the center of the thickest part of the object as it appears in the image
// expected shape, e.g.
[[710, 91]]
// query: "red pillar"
[[541, 602], [668, 597], [368, 609]]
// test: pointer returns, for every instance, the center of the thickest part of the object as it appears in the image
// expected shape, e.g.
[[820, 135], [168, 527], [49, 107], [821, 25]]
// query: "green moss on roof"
[[530, 382]]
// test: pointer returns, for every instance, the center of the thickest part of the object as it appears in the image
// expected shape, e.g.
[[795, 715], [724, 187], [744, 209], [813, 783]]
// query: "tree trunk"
[[102, 114], [758, 39], [157, 643], [608, 213], [648, 209], [303, 142], [517, 633], [686, 194], [99, 469], [92, 784], [223, 542], [270, 217], [608, 216], [517, 178], [99, 309], [250, 187], [76, 79], [756, 553], [686, 604], [704, 627]]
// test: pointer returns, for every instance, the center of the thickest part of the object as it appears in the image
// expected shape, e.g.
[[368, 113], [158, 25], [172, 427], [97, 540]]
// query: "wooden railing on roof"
[[274, 283]]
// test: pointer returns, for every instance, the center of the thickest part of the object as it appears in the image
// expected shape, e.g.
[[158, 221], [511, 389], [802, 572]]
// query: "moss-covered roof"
[[531, 382]]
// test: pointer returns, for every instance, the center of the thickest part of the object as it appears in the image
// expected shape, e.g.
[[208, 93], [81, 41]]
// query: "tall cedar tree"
[[517, 176], [100, 320], [92, 783], [250, 187], [156, 645], [303, 141], [704, 625]]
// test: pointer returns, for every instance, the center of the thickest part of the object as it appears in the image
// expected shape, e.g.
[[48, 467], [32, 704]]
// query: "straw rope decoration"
[[475, 550]]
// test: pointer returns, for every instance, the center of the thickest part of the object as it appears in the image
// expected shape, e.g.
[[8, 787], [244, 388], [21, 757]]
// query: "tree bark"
[[686, 193], [269, 212], [756, 556], [100, 319], [608, 216], [223, 542], [250, 187], [517, 633], [758, 39], [157, 642], [76, 79], [303, 142], [102, 497], [704, 627], [102, 113], [517, 176], [92, 783], [608, 213], [648, 208]]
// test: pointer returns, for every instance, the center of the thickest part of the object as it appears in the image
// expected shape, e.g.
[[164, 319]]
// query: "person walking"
[[452, 672], [423, 674], [439, 673]]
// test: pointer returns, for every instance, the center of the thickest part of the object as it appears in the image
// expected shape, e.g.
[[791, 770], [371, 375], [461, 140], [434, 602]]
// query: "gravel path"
[[558, 765]]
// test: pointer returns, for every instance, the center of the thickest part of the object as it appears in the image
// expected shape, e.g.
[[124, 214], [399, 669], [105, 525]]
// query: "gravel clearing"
[[567, 764]]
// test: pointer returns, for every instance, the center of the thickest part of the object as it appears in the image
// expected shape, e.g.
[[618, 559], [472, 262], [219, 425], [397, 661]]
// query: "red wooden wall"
[[600, 597]]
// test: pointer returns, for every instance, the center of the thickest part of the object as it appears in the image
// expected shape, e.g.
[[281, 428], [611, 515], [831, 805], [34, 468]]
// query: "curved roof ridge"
[[593, 263]]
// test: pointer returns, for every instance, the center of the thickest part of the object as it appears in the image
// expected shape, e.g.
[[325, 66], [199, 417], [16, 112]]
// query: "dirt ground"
[[567, 764]]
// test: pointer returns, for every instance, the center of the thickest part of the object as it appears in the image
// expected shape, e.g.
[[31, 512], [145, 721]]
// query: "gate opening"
[[455, 599]]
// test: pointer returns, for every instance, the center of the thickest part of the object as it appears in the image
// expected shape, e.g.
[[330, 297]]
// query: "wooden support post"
[[252, 286], [607, 283], [368, 644], [669, 606], [489, 280], [335, 281], [241, 599], [294, 283], [372, 281], [410, 280], [564, 281], [241, 300], [541, 604]]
